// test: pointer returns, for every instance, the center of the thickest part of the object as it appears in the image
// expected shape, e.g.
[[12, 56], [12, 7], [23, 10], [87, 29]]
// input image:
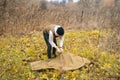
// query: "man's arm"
[[61, 41], [51, 39]]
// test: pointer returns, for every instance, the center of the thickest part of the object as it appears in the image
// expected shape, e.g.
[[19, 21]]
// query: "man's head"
[[60, 31]]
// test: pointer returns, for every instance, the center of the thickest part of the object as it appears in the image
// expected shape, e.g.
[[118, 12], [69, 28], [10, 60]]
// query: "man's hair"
[[60, 31]]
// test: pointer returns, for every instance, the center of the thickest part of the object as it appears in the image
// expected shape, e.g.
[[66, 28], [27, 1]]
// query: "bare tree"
[[43, 5]]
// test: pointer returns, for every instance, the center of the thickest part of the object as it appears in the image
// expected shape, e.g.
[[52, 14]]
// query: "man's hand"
[[59, 50]]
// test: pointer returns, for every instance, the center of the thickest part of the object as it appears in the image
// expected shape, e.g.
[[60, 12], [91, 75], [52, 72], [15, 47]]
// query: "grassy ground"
[[16, 53]]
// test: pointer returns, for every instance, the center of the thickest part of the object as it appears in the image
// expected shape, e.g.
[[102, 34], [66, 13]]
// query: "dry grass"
[[21, 17]]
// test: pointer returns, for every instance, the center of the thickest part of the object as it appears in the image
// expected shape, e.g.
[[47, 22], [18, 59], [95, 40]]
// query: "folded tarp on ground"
[[65, 61]]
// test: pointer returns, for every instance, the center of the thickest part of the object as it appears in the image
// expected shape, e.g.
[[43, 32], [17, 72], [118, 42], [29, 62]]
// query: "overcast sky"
[[76, 0], [61, 0]]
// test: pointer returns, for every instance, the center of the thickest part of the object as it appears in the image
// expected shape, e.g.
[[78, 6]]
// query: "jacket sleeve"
[[61, 41], [51, 39]]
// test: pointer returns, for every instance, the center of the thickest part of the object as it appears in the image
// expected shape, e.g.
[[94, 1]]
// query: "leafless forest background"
[[22, 16]]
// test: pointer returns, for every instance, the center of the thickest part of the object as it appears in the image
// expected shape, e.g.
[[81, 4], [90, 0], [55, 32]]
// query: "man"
[[50, 34]]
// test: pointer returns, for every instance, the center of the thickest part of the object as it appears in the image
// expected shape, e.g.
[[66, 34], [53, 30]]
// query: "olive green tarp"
[[65, 61]]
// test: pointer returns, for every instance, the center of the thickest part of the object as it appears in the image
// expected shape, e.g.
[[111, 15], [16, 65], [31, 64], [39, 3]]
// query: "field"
[[16, 53]]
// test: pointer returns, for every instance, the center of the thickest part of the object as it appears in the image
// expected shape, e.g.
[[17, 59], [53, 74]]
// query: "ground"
[[16, 53]]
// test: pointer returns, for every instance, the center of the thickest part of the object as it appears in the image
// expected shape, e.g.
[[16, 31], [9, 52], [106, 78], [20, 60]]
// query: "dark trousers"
[[49, 47]]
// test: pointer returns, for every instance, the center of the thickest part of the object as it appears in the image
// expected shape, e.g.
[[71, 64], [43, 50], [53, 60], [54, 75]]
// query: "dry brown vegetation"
[[20, 17]]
